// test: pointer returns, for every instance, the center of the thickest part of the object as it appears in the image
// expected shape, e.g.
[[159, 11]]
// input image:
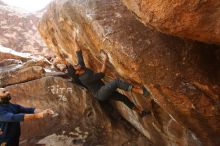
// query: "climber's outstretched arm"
[[77, 49], [105, 58], [80, 59], [103, 69], [79, 55]]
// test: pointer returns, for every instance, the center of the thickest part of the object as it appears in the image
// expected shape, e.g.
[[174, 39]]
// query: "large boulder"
[[16, 67], [192, 19], [79, 118], [20, 75], [183, 76]]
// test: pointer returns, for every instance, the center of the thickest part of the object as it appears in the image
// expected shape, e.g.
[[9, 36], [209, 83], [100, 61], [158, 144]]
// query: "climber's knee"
[[122, 85], [116, 82]]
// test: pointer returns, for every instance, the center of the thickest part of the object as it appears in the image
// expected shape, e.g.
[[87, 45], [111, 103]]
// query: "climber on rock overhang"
[[12, 114], [93, 82]]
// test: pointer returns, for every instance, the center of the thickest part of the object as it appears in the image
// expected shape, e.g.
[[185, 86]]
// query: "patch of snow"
[[10, 51]]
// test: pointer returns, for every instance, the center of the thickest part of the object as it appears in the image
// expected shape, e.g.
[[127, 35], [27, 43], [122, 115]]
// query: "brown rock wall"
[[175, 70], [192, 19]]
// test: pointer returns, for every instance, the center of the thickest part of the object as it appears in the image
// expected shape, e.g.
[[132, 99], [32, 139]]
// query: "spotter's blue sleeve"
[[10, 117], [26, 110]]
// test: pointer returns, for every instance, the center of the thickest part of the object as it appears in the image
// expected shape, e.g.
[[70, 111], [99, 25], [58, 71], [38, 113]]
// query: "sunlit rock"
[[18, 67], [192, 19], [183, 76], [79, 119]]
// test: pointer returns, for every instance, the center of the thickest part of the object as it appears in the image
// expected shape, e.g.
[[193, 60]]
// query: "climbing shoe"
[[144, 113], [145, 91]]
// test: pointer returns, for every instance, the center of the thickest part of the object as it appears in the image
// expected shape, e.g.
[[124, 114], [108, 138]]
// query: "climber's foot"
[[145, 91], [144, 113]]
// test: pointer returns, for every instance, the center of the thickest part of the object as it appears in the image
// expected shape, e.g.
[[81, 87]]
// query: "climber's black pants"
[[14, 142], [108, 91], [120, 97]]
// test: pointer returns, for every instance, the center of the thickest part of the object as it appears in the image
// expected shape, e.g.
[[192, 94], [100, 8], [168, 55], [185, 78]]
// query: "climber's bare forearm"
[[103, 70], [105, 60], [77, 46]]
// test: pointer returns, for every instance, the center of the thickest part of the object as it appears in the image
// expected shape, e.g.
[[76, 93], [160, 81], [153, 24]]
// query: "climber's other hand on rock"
[[104, 55], [74, 34]]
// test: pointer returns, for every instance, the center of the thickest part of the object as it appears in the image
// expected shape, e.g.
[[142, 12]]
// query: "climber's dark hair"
[[71, 73], [70, 70]]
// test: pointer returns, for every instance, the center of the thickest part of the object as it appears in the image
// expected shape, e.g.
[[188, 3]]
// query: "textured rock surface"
[[7, 53], [80, 121], [19, 75], [193, 19], [18, 30], [187, 74], [18, 67]]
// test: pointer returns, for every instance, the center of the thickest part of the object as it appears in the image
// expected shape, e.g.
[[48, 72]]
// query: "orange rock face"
[[183, 76], [192, 19], [79, 118]]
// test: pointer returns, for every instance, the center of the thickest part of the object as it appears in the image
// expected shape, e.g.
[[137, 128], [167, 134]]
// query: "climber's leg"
[[14, 142], [120, 97], [107, 90], [128, 87], [140, 90], [120, 84]]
